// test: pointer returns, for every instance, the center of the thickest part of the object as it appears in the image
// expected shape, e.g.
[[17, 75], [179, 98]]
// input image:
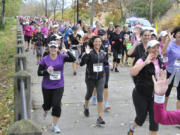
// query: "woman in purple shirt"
[[173, 68], [51, 67], [160, 114]]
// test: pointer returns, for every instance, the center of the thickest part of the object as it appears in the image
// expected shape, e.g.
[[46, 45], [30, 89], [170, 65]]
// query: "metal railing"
[[23, 113]]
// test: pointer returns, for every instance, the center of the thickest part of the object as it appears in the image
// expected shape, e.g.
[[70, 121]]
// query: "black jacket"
[[118, 39], [90, 59], [38, 39], [144, 84]]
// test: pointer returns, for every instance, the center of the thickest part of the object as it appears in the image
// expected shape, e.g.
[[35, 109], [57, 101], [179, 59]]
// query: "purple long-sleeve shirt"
[[162, 116]]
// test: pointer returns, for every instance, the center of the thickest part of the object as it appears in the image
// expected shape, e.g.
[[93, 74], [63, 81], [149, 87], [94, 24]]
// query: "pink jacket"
[[27, 31], [165, 117]]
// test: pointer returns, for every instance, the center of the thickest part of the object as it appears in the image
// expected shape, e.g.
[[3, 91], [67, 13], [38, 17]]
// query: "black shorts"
[[124, 50], [27, 39], [38, 51], [170, 88], [144, 105]]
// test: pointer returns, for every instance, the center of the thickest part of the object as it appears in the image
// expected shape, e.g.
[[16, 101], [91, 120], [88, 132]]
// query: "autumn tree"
[[3, 13]]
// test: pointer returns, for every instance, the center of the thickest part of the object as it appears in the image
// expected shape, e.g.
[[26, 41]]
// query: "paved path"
[[73, 121]]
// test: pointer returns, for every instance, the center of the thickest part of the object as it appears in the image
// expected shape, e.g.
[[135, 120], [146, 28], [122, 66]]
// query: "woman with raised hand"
[[51, 67], [94, 59], [173, 67], [160, 114], [150, 64]]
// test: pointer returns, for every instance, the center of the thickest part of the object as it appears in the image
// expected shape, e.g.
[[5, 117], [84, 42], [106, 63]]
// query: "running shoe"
[[112, 69], [107, 106], [130, 132], [56, 129], [45, 115], [94, 100], [116, 70], [74, 73], [86, 111], [100, 121]]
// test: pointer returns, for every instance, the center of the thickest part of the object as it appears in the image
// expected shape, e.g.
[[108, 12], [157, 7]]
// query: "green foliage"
[[114, 17], [13, 7], [7, 65], [141, 8], [69, 15], [160, 7]]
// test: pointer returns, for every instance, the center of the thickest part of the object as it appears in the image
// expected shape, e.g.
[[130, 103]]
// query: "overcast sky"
[[68, 3]]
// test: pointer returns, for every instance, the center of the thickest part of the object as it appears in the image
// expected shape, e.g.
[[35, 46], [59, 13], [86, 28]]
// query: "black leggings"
[[52, 99], [99, 85], [170, 88], [106, 69], [143, 105], [115, 56]]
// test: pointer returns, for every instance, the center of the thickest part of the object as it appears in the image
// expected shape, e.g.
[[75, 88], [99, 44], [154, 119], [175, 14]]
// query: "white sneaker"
[[56, 129]]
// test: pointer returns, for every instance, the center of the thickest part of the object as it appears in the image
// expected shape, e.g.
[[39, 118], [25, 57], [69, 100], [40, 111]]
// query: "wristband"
[[159, 99]]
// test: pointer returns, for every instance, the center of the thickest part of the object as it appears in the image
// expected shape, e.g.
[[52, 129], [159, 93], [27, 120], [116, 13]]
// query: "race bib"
[[119, 56], [73, 52], [165, 59], [177, 63], [98, 67], [56, 75]]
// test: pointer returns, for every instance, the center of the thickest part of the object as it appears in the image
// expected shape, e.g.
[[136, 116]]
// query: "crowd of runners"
[[152, 58]]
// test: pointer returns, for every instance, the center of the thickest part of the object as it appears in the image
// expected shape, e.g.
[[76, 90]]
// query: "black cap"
[[101, 32], [117, 25]]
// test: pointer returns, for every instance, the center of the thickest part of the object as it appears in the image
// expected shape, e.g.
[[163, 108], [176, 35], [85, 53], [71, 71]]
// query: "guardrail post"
[[17, 62], [24, 127], [19, 40], [18, 111], [19, 48]]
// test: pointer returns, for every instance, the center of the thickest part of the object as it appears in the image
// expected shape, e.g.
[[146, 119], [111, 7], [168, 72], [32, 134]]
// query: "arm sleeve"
[[139, 61], [134, 54], [165, 117], [168, 48], [69, 57], [84, 59], [42, 71]]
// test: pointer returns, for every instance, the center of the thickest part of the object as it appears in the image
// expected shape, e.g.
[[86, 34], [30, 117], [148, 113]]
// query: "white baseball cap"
[[57, 36], [163, 33], [53, 43], [152, 43], [55, 26]]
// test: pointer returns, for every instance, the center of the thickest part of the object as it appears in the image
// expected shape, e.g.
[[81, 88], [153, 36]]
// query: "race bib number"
[[73, 52], [119, 56], [177, 62], [56, 75], [98, 67], [165, 59]]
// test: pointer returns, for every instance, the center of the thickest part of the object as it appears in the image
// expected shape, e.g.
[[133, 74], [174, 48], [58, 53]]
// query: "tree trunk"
[[122, 12], [74, 15], [63, 10], [3, 13], [77, 11], [151, 11], [46, 14], [92, 12], [54, 13]]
